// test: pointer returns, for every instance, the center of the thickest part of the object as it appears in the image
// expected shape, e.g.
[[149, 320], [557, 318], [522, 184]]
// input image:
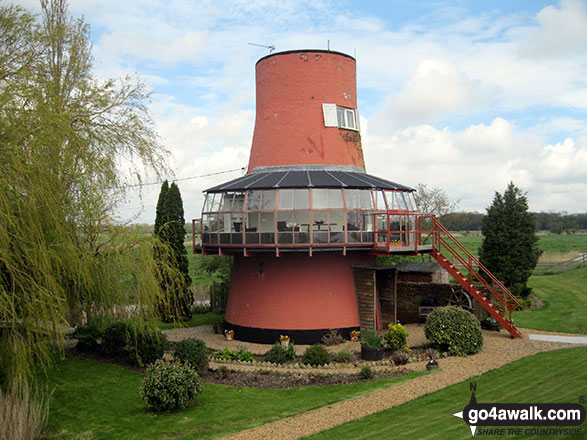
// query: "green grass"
[[554, 377], [101, 401], [549, 243], [565, 298], [195, 321]]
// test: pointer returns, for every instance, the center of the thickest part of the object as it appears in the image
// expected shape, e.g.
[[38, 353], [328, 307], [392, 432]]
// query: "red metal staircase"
[[450, 253]]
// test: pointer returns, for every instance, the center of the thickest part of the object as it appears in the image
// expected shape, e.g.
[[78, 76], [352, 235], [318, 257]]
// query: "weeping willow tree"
[[63, 137]]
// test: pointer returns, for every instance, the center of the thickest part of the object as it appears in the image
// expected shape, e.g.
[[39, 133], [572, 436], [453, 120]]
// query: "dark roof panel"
[[307, 179]]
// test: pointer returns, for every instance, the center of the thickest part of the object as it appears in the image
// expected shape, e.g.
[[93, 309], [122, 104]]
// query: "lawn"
[[553, 377], [101, 401], [565, 298]]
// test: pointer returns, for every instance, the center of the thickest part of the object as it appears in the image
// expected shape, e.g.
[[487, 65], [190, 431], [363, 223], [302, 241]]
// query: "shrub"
[[396, 337], [454, 330], [370, 338], [400, 357], [278, 354], [244, 355], [344, 356], [316, 355], [366, 373], [88, 337], [147, 344], [226, 354], [332, 338], [169, 385], [115, 339], [194, 352]]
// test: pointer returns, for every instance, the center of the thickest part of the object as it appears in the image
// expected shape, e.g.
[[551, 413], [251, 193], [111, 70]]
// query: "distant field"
[[565, 299], [563, 245]]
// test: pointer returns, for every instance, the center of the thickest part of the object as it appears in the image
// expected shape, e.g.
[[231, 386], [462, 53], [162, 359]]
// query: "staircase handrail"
[[439, 227]]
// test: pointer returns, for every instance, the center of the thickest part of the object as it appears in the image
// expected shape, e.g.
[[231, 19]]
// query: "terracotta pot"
[[285, 342], [372, 354], [354, 338], [229, 336]]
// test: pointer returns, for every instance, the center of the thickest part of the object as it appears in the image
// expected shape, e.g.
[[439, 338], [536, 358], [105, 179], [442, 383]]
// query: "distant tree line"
[[555, 222]]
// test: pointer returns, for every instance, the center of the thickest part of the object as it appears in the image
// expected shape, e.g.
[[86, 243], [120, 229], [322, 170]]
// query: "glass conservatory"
[[252, 216]]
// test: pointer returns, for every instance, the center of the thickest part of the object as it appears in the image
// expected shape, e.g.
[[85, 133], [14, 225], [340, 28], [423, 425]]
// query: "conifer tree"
[[510, 245], [160, 214], [171, 232]]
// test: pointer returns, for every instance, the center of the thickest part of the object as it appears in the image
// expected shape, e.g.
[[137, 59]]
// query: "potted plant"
[[490, 324], [355, 335], [371, 345], [284, 339], [229, 335], [432, 364]]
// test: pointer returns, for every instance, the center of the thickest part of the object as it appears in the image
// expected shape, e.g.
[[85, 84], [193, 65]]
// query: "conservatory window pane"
[[267, 222], [239, 201], [216, 202], [302, 227], [352, 199], [319, 199], [301, 199], [286, 197], [254, 201], [268, 200], [379, 200], [335, 199], [227, 202], [366, 199]]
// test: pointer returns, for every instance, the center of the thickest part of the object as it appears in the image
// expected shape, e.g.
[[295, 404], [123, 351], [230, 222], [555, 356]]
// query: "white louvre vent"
[[330, 118]]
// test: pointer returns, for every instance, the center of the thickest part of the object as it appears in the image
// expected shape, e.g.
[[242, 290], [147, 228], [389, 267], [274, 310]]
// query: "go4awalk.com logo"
[[548, 419]]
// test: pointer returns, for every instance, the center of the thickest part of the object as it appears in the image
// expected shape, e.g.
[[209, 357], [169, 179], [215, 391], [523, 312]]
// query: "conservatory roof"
[[273, 179]]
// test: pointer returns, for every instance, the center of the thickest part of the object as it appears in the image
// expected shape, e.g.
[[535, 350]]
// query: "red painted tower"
[[306, 212]]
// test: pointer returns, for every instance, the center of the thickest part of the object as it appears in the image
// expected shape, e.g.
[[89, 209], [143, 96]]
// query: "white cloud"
[[562, 31]]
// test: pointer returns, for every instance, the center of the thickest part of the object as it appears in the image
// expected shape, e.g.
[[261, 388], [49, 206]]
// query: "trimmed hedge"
[[194, 352], [170, 385], [454, 330]]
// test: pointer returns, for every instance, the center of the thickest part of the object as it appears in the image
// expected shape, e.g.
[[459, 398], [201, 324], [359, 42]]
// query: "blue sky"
[[464, 95]]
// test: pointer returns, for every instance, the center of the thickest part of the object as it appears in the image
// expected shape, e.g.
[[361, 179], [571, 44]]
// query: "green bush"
[[169, 385], [88, 337], [115, 339], [244, 355], [396, 337], [316, 355], [343, 356], [370, 338], [194, 352], [454, 330], [147, 344], [278, 354], [366, 373], [226, 354]]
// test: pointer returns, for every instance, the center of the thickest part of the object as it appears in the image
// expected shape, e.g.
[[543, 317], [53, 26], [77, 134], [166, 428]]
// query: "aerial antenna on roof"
[[271, 48]]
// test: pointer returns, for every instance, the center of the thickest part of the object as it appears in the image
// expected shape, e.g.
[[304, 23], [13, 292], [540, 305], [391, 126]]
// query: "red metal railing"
[[507, 298]]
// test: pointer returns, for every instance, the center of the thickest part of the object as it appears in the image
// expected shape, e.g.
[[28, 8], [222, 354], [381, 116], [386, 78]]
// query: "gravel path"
[[498, 349]]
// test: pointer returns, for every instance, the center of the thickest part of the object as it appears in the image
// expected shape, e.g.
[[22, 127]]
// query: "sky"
[[462, 95]]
